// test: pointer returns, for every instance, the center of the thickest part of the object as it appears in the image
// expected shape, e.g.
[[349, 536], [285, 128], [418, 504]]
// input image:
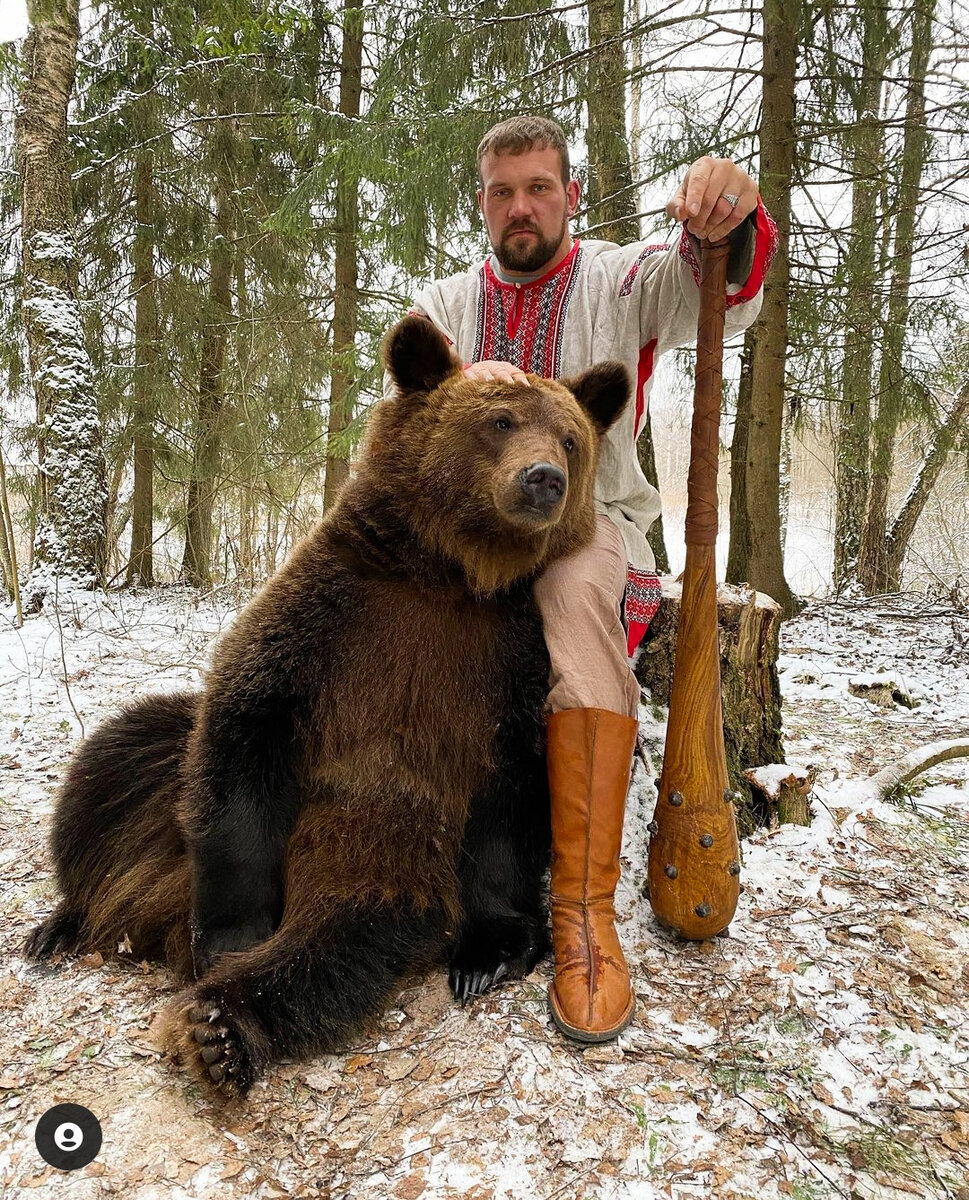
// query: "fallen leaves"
[[765, 1060]]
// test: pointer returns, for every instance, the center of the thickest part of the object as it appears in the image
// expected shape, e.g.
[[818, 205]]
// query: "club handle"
[[701, 512], [693, 848]]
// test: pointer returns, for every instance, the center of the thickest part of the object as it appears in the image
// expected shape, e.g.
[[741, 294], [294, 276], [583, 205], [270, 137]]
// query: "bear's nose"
[[544, 485]]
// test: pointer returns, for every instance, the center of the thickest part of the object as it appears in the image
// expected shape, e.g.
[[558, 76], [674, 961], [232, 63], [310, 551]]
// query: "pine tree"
[[346, 232], [756, 547], [875, 574], [865, 142], [72, 534]]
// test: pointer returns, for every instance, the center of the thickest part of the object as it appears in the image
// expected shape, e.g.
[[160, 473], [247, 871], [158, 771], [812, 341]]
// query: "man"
[[547, 304]]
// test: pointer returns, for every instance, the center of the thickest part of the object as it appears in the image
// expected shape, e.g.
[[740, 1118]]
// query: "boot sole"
[[589, 1036]]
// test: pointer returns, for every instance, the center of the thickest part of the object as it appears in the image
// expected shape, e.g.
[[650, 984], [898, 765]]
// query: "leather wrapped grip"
[[701, 512]]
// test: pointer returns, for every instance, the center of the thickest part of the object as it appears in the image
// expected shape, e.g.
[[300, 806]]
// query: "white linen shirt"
[[626, 303]]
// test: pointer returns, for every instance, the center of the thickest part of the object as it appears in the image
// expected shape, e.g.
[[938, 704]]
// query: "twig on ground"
[[60, 634]]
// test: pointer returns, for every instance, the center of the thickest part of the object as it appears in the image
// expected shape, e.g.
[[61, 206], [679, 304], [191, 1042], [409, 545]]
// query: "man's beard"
[[532, 254]]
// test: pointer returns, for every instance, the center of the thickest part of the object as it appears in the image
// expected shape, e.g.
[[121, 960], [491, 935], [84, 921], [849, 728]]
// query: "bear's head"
[[497, 477]]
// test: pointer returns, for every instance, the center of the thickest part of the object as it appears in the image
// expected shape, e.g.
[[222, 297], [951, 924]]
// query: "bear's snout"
[[544, 485]]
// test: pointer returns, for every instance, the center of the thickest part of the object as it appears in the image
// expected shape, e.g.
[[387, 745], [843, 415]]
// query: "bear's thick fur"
[[360, 790]]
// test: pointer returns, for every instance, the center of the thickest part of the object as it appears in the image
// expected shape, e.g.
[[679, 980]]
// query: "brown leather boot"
[[589, 755]]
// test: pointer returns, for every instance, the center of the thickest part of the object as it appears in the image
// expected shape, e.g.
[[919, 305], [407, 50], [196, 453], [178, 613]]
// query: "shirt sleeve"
[[752, 248], [669, 281]]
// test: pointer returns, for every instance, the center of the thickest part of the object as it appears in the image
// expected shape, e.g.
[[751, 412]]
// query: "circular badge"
[[68, 1136]]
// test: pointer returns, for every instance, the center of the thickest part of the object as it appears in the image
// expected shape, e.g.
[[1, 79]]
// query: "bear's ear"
[[603, 391], [417, 355]]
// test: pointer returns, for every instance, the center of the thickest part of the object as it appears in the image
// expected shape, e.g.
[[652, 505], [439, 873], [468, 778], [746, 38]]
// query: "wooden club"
[[694, 855]]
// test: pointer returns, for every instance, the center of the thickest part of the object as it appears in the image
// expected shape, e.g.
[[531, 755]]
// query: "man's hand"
[[699, 200], [496, 372]]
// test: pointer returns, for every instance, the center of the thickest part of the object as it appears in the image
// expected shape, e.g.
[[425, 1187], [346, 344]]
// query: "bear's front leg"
[[504, 929], [305, 990], [241, 803]]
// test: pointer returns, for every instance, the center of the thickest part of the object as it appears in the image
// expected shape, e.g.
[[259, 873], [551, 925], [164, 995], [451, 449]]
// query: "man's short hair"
[[518, 134]]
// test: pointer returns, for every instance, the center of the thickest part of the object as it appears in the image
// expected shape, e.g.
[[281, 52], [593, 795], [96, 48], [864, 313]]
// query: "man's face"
[[526, 207]]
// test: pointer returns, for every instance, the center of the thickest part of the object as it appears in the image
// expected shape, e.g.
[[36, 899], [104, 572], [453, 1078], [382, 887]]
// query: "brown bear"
[[360, 789]]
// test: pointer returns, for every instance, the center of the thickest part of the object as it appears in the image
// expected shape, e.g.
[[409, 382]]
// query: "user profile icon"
[[68, 1136]]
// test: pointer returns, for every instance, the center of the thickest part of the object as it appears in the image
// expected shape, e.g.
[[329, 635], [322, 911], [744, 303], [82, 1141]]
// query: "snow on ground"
[[821, 1050]]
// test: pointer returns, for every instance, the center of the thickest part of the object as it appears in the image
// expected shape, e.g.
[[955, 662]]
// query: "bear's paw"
[[492, 949], [58, 934], [205, 1040]]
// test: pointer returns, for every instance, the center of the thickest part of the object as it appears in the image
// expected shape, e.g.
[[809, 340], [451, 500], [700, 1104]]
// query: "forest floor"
[[821, 1050]]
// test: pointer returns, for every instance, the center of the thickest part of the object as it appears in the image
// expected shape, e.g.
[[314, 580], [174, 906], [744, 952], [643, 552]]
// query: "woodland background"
[[210, 213]]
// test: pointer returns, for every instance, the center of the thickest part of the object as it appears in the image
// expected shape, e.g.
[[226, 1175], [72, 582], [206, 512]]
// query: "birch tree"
[[954, 418]]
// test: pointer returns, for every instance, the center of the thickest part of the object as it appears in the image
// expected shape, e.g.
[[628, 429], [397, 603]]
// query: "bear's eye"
[[569, 445], [503, 424]]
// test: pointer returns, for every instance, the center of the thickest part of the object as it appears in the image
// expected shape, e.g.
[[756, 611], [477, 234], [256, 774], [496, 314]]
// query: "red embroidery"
[[522, 323], [644, 370], [764, 250], [630, 278], [688, 255], [643, 595]]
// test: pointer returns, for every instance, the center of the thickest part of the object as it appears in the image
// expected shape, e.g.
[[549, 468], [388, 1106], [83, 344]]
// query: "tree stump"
[[786, 791], [749, 622]]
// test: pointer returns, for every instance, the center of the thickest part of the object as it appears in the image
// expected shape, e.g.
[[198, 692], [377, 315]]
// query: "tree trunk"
[[784, 793], [197, 562], [140, 569], [852, 453], [749, 623], [873, 570], [902, 528], [738, 549], [769, 352], [637, 131], [117, 514], [612, 201], [612, 198], [246, 565], [71, 528], [646, 452], [9, 541], [346, 296]]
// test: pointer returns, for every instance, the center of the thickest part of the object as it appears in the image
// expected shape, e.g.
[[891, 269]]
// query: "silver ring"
[[731, 199]]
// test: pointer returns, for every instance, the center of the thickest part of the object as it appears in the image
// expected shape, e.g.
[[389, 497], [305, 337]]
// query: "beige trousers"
[[579, 598]]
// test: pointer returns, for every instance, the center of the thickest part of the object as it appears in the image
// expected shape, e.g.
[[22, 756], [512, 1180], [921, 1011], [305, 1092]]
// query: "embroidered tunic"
[[603, 301]]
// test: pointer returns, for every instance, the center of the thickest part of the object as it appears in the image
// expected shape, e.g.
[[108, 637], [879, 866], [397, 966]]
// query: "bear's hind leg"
[[293, 997], [116, 845]]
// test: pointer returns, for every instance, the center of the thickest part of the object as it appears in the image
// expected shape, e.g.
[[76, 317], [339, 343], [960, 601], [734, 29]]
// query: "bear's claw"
[[58, 934], [467, 984], [223, 1060], [494, 948]]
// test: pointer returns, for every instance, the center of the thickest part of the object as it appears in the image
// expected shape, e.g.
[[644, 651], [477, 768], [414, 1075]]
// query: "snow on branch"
[[915, 763]]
